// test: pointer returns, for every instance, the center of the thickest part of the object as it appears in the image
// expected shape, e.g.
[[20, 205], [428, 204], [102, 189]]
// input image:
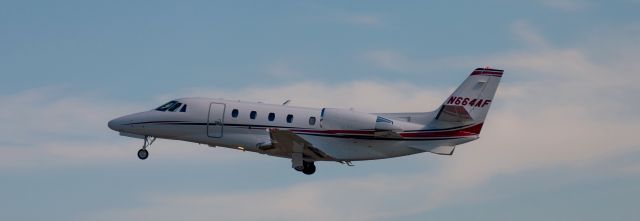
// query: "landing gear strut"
[[143, 153], [297, 159]]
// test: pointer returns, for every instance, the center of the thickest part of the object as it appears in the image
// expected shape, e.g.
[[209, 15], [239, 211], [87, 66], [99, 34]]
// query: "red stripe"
[[463, 132], [469, 131], [488, 73], [358, 132]]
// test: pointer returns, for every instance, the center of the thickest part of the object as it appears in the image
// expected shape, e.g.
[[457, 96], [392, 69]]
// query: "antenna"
[[286, 102]]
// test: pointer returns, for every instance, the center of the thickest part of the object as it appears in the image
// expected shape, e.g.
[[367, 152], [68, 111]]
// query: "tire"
[[309, 168], [143, 154]]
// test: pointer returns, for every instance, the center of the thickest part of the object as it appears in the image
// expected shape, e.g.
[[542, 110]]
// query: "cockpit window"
[[174, 107], [166, 106]]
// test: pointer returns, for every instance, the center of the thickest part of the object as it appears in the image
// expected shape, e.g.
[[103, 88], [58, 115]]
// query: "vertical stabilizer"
[[470, 102]]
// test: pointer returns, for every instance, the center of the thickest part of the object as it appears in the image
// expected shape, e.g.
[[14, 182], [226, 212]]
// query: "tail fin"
[[469, 104]]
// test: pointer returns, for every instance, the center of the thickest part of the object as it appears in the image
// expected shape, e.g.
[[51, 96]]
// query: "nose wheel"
[[143, 153]]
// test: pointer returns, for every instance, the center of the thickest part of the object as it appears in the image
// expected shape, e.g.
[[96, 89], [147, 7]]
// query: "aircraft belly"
[[339, 149], [247, 139], [360, 149], [176, 132]]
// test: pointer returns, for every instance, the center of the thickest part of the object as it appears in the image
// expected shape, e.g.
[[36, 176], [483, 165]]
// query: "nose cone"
[[128, 123], [116, 124]]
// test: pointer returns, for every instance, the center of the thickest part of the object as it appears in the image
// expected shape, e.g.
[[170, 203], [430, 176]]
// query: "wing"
[[285, 142]]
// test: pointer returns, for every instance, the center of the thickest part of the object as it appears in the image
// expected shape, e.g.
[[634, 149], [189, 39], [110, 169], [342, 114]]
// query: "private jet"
[[307, 135]]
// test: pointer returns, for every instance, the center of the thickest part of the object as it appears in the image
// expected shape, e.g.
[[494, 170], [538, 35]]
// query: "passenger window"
[[272, 116], [184, 108], [174, 107], [252, 115], [289, 118], [234, 113], [312, 121]]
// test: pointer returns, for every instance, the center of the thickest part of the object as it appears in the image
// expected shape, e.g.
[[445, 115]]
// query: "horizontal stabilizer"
[[441, 150]]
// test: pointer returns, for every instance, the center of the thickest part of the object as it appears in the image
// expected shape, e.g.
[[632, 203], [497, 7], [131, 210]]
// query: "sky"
[[559, 142]]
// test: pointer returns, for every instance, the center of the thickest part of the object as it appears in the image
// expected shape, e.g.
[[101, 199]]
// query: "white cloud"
[[48, 127], [50, 111], [322, 200], [529, 35]]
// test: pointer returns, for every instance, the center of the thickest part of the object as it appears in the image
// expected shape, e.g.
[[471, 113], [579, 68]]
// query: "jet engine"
[[342, 119]]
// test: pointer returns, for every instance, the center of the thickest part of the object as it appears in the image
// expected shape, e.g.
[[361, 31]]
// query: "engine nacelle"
[[342, 119]]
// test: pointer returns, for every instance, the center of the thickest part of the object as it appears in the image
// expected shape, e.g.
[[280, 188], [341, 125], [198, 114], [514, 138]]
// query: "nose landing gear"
[[143, 153]]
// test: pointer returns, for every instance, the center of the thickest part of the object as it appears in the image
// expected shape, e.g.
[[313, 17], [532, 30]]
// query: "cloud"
[[39, 124], [50, 111], [529, 35], [49, 127], [310, 200]]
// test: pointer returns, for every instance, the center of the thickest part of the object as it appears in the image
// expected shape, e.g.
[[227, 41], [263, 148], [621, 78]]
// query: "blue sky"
[[558, 145]]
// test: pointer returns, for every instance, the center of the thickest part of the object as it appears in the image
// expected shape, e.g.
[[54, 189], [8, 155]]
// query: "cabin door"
[[215, 123]]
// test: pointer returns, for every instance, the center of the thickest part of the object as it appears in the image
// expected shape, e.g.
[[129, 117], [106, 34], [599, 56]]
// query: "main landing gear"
[[307, 168], [143, 153]]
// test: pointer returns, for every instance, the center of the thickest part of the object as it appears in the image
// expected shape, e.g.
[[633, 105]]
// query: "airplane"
[[307, 135]]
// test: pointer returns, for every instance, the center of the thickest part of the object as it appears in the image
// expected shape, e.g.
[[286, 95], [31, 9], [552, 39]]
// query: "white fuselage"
[[226, 123], [307, 135]]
